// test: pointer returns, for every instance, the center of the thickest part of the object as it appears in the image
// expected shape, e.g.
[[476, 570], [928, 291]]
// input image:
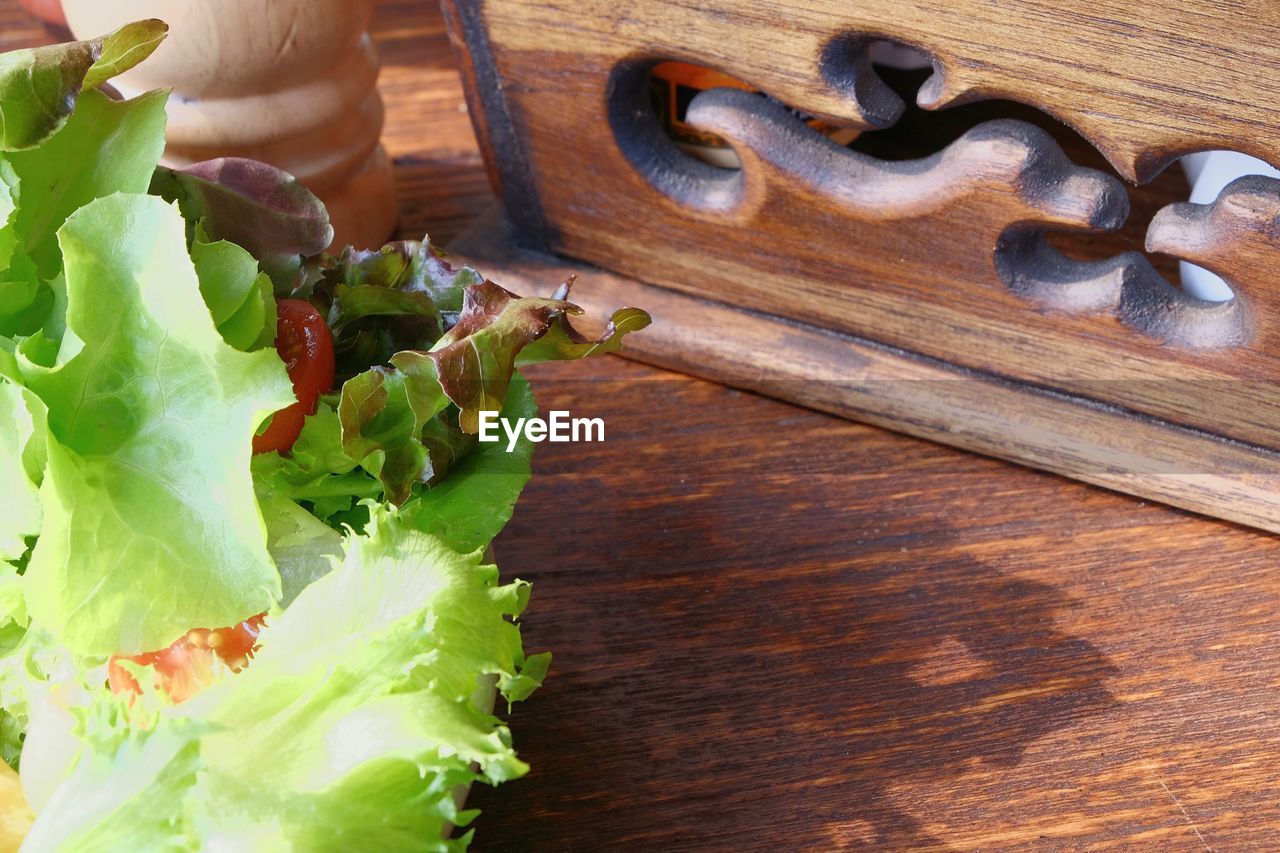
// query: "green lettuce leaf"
[[21, 516], [350, 728], [258, 207], [13, 631], [239, 298], [124, 49], [300, 544], [39, 86], [22, 304], [105, 147], [9, 183], [150, 521], [316, 472], [126, 795], [33, 667], [471, 505]]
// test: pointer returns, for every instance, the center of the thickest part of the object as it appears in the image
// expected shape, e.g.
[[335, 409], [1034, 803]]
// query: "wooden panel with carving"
[[867, 382], [1144, 82], [950, 256]]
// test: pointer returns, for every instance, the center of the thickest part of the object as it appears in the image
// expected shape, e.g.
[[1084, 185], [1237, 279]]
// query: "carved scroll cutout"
[[846, 66], [1126, 286], [1236, 236], [1017, 166], [1144, 82], [1014, 159]]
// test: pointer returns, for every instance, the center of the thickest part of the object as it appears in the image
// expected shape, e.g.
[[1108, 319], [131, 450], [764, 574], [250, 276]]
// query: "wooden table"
[[778, 630]]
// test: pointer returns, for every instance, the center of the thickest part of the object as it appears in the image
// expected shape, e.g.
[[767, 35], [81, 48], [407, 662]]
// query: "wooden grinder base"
[[291, 83]]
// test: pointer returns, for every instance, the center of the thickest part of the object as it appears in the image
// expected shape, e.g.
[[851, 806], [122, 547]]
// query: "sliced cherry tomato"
[[304, 342], [186, 666]]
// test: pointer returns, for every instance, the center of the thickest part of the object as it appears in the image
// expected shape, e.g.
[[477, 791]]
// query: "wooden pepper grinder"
[[288, 82], [49, 11]]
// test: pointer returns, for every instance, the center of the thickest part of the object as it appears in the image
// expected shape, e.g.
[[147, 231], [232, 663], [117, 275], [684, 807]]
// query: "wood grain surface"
[[775, 629], [948, 255]]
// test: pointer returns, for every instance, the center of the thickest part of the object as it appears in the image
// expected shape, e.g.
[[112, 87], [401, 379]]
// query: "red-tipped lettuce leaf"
[[256, 206], [384, 410], [563, 342], [403, 296], [381, 429]]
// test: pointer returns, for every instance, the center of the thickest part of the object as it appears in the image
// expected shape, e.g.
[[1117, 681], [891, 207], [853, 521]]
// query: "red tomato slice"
[[304, 342], [186, 666]]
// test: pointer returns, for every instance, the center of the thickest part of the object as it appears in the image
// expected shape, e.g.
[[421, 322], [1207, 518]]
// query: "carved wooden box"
[[992, 293]]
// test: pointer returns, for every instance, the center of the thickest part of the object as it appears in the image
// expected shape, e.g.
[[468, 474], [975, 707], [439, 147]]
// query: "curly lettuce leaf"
[[381, 428], [38, 678], [475, 359], [316, 472], [125, 795], [409, 266], [13, 634], [150, 522], [562, 342], [363, 697], [472, 364], [258, 207], [379, 302], [104, 147], [385, 410], [469, 488], [39, 86]]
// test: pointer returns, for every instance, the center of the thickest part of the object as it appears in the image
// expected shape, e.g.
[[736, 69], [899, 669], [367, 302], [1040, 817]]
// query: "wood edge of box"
[[505, 158], [1077, 437]]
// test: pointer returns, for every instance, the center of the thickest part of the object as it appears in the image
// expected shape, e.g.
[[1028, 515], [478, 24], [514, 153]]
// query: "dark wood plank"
[[775, 629]]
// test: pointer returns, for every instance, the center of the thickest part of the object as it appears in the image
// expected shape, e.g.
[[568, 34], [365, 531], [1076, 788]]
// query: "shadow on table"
[[715, 709]]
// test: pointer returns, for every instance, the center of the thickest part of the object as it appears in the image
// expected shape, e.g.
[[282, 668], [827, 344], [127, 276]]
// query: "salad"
[[245, 601]]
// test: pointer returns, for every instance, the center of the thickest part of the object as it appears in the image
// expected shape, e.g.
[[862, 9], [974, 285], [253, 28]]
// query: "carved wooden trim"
[[1068, 434], [1144, 82]]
